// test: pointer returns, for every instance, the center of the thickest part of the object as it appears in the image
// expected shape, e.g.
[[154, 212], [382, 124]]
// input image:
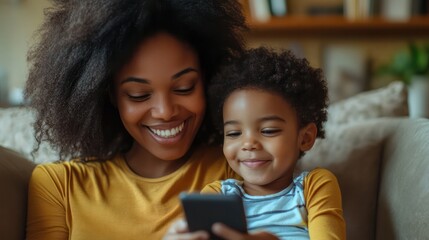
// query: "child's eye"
[[232, 134], [138, 98], [184, 91], [270, 131]]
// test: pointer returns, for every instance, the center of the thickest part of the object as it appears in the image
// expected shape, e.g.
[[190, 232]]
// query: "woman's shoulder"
[[210, 162], [77, 165], [208, 154], [212, 151]]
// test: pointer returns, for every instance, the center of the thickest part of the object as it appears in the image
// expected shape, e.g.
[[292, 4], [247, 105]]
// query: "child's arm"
[[214, 187], [323, 200]]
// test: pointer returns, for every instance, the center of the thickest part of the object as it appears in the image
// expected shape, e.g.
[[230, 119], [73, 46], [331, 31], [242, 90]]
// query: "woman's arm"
[[46, 218], [323, 200]]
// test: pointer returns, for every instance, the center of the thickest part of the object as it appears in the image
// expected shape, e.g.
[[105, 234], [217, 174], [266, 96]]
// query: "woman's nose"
[[163, 108]]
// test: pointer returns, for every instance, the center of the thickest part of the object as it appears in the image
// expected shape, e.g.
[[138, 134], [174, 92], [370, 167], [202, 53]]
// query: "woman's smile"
[[167, 134]]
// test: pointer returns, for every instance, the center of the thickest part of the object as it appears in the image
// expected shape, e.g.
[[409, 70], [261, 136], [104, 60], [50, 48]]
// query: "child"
[[274, 107]]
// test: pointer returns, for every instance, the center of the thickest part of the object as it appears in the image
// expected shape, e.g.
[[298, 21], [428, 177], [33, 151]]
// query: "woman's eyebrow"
[[184, 71], [146, 81], [135, 79]]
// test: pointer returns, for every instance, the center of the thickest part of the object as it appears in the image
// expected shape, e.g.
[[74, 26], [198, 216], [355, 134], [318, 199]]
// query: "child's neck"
[[267, 189]]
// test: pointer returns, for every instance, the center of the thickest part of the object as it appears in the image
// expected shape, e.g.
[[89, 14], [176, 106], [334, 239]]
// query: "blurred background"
[[349, 39], [18, 21]]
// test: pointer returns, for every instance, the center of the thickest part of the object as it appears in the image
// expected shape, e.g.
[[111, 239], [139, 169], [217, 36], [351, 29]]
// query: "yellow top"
[[107, 200], [322, 198]]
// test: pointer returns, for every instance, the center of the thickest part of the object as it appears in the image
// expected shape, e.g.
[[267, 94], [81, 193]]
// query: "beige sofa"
[[385, 182], [380, 158], [382, 166]]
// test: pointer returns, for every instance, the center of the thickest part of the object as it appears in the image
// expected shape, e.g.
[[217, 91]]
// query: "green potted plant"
[[412, 67]]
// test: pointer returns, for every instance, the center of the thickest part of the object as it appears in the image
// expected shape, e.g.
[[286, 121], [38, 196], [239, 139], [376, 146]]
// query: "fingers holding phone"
[[179, 231], [227, 233]]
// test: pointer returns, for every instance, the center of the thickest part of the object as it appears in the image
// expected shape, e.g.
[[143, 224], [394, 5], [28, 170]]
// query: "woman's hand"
[[229, 234], [179, 231]]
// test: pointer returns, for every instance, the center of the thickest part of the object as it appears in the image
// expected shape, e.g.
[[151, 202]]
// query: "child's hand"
[[179, 231], [229, 234]]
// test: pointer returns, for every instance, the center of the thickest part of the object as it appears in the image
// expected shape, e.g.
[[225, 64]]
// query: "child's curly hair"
[[303, 86], [83, 43]]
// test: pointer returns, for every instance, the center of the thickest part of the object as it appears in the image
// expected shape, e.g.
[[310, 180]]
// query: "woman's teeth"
[[167, 133]]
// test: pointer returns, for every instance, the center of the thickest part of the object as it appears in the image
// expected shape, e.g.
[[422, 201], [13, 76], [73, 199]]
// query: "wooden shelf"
[[338, 25]]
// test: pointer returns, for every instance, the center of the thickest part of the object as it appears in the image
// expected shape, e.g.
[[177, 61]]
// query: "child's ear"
[[308, 136]]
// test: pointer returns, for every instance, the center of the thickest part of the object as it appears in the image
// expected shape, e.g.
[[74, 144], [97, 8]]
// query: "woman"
[[120, 86]]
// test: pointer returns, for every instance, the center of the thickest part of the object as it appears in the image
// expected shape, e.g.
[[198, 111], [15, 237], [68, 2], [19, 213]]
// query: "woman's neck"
[[144, 164]]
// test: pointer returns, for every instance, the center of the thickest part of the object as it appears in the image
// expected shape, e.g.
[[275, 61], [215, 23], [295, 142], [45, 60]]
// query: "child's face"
[[262, 140]]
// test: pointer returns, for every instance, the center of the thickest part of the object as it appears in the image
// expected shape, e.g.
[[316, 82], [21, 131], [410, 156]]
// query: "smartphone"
[[203, 210]]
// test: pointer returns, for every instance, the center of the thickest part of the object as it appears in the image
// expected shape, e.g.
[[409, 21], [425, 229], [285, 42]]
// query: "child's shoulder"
[[320, 178], [223, 186], [320, 173]]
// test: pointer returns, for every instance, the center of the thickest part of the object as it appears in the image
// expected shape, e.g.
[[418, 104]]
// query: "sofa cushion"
[[388, 101], [15, 172], [353, 153]]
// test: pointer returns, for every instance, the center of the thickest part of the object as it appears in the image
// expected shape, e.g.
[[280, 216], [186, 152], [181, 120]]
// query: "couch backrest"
[[15, 172], [403, 203], [353, 153]]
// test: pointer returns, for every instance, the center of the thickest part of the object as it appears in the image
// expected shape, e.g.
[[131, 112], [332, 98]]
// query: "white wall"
[[18, 21]]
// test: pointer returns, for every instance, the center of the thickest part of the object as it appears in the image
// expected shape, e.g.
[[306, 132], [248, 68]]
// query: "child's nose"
[[251, 143]]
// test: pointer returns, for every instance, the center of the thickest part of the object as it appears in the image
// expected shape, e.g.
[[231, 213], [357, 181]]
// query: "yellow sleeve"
[[46, 208], [323, 200], [214, 187]]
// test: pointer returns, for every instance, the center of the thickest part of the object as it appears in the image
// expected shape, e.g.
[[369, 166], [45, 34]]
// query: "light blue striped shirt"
[[284, 213]]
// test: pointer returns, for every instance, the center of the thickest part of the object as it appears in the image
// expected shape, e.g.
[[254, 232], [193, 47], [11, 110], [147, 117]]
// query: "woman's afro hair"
[[301, 85], [83, 43]]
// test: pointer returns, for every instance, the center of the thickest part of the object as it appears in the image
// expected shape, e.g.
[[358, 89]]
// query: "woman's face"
[[160, 96]]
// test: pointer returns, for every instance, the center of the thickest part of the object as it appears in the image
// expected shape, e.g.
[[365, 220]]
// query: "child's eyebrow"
[[267, 118], [233, 122], [272, 118]]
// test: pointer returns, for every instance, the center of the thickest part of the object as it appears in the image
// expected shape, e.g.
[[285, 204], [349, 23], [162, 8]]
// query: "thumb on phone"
[[226, 232], [179, 226]]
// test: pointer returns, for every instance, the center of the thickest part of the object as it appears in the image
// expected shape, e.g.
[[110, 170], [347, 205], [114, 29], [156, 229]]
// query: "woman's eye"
[[184, 91], [138, 97], [232, 134], [270, 131]]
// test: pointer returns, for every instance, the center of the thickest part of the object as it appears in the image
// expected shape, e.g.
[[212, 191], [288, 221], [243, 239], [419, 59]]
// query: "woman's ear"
[[111, 94], [308, 136]]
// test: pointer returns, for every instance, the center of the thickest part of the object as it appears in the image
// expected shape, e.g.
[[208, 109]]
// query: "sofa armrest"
[[15, 172], [403, 201]]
